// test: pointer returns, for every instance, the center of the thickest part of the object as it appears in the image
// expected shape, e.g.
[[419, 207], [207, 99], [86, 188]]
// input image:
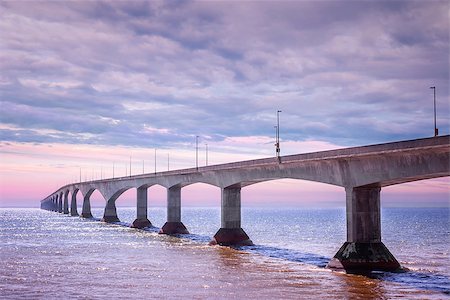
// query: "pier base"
[[358, 256], [174, 228], [110, 219], [86, 215], [141, 223], [231, 237]]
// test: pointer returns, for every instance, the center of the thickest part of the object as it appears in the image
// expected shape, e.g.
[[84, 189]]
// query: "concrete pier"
[[73, 204], [363, 249], [174, 224], [60, 203], [141, 209], [231, 232], [110, 214], [86, 211], [66, 203]]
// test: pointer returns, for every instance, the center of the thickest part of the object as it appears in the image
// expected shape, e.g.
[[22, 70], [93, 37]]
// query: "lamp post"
[[168, 162], [130, 165], [206, 145], [196, 152], [155, 161], [436, 130], [277, 143]]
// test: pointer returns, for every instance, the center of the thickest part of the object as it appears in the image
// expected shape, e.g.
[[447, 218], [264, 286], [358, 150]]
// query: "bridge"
[[362, 171]]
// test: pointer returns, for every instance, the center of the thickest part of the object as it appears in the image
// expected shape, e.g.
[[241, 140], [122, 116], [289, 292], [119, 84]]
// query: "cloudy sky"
[[85, 85]]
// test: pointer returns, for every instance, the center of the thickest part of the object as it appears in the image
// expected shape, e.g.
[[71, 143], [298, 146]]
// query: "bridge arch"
[[317, 192]]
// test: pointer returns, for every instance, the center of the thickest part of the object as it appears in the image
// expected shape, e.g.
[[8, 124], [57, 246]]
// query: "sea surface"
[[47, 255]]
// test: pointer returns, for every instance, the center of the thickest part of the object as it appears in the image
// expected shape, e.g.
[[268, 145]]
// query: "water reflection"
[[360, 286]]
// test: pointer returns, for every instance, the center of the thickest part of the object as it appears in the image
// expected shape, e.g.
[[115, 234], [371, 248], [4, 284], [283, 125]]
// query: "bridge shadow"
[[287, 254], [419, 280]]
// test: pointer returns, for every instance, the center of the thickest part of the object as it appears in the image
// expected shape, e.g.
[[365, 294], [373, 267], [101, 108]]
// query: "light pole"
[[277, 143], [436, 130], [130, 165], [168, 161], [113, 169], [155, 161], [196, 152], [206, 145], [80, 174]]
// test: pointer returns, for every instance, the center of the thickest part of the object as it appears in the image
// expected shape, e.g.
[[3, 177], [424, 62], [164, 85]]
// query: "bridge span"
[[362, 171]]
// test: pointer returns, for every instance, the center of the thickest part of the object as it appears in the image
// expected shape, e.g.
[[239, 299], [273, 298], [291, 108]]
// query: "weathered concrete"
[[363, 249], [60, 203], [86, 210], [141, 209], [362, 171], [231, 232], [110, 214], [174, 224], [359, 256], [73, 204], [66, 202]]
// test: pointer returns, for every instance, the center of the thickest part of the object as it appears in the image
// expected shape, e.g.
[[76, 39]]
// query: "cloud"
[[159, 73]]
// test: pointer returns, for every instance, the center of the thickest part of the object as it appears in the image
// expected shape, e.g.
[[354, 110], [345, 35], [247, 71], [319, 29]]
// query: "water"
[[46, 255]]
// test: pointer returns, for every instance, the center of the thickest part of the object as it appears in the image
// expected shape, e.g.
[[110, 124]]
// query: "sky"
[[88, 86]]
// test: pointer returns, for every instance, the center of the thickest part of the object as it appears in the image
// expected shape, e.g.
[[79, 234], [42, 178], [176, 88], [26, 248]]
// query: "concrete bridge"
[[362, 171]]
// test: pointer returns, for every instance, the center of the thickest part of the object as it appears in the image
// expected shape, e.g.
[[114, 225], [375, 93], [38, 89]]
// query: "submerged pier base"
[[110, 214], [174, 228], [357, 257], [174, 224], [363, 251], [141, 209], [141, 223], [231, 233], [231, 237]]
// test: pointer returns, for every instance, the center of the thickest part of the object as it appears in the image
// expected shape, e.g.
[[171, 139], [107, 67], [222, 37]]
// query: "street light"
[[155, 161], [277, 143], [206, 154], [196, 152], [436, 130]]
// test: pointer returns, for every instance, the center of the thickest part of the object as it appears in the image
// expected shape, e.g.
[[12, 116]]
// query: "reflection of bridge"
[[362, 171]]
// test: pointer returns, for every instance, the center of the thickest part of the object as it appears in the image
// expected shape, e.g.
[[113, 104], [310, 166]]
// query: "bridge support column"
[[86, 210], [174, 224], [110, 214], [60, 204], [66, 203], [73, 204], [231, 232], [363, 250], [141, 209]]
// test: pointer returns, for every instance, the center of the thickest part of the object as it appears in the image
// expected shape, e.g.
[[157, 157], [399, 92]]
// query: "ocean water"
[[46, 255]]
